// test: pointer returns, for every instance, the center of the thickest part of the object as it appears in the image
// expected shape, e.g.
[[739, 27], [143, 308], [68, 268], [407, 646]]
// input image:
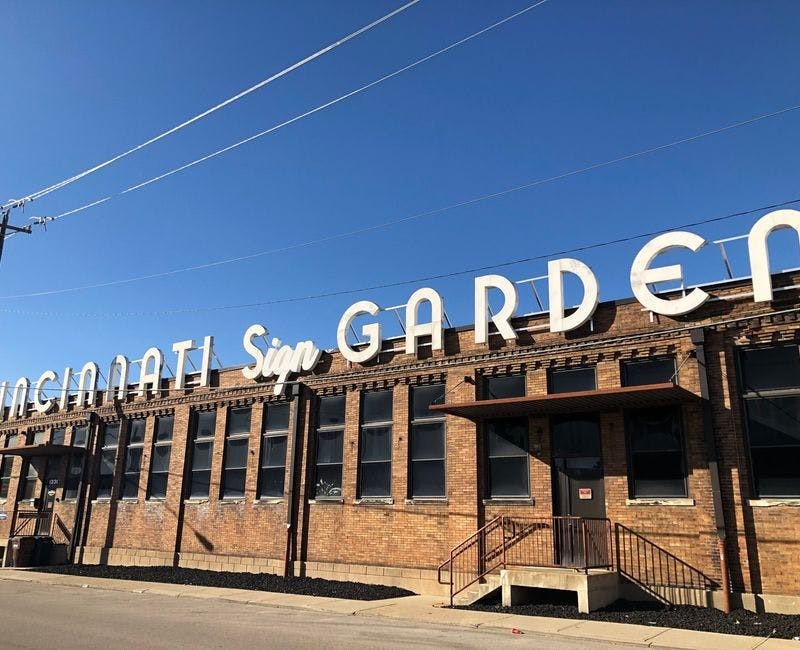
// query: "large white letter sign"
[[151, 378], [63, 401], [253, 332], [205, 366], [19, 398], [759, 253], [642, 274], [40, 405], [182, 349], [3, 395], [118, 367], [372, 332], [413, 329], [87, 384], [555, 287], [501, 318]]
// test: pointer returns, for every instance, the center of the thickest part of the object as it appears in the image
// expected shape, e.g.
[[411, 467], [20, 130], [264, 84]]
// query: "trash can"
[[21, 551], [42, 550]]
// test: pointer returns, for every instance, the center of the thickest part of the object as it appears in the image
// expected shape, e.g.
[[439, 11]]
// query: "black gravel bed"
[[234, 580], [781, 626]]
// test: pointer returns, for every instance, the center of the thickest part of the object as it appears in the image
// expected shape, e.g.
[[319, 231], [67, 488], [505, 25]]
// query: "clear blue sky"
[[568, 84]]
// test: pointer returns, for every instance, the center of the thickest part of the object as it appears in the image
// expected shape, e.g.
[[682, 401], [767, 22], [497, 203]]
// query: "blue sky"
[[564, 86]]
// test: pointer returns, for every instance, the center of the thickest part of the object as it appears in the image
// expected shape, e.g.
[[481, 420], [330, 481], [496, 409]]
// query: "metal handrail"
[[580, 543], [26, 518]]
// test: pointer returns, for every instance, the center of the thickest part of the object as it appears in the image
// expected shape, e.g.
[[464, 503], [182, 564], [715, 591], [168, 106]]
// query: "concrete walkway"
[[426, 609]]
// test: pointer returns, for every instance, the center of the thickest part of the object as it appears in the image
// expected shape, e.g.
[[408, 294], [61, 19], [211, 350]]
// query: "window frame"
[[6, 468], [160, 444], [365, 427], [106, 449], [224, 483], [266, 435], [527, 455], [129, 447], [194, 441], [435, 418], [747, 394], [329, 428], [625, 364], [552, 372]]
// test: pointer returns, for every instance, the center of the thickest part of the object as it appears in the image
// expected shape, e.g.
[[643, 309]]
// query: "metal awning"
[[589, 401], [26, 451]]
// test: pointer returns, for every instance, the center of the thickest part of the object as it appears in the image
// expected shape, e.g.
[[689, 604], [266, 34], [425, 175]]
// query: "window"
[[375, 461], [6, 465], [159, 463], [572, 380], [237, 438], [74, 476], [427, 443], [770, 378], [657, 467], [108, 460], [30, 480], [80, 436], [59, 435], [641, 372], [202, 449], [39, 437], [133, 459], [273, 451], [330, 439], [505, 386], [507, 447]]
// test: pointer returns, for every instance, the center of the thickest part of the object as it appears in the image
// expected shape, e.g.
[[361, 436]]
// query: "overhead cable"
[[387, 285], [67, 181]]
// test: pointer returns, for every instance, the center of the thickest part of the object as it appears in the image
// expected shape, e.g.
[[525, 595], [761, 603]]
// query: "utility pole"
[[5, 226]]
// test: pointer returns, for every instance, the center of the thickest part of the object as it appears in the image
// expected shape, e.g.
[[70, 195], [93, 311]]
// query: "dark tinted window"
[[648, 371], [376, 406], [59, 435], [202, 449], [422, 397], [136, 431], [273, 451], [330, 439], [162, 452], [575, 437], [80, 436], [506, 386], [375, 448], [656, 453], [771, 368], [237, 442], [507, 450], [277, 417], [572, 380]]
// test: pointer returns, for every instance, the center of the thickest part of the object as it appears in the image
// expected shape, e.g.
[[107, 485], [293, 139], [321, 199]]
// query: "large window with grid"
[[572, 380], [159, 462], [330, 440], [30, 479], [80, 435], [655, 370], [237, 439], [507, 443], [108, 459], [273, 451], [133, 459], [375, 449], [6, 466], [656, 459], [770, 382], [59, 435], [427, 444], [203, 425]]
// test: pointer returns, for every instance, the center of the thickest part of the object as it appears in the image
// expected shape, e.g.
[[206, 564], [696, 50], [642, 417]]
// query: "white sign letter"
[[501, 318], [555, 286], [152, 378], [43, 406], [205, 368], [415, 330], [759, 253], [252, 332], [119, 366], [372, 332], [87, 384], [642, 274], [19, 399], [182, 349]]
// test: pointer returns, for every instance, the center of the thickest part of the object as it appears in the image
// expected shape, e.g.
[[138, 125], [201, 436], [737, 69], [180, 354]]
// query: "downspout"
[[698, 339], [291, 512]]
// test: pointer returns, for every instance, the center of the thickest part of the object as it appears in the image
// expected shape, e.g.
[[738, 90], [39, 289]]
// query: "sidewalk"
[[426, 609]]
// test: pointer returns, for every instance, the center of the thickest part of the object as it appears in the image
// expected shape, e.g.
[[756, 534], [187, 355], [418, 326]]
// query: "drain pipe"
[[291, 496], [698, 339]]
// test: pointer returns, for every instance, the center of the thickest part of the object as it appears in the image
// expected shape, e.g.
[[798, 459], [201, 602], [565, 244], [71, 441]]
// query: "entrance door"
[[577, 483], [47, 498]]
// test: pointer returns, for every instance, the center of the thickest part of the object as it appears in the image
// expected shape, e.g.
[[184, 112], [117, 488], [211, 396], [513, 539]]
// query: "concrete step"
[[477, 591]]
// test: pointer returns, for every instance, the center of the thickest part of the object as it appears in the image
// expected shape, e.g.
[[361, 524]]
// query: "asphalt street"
[[50, 616]]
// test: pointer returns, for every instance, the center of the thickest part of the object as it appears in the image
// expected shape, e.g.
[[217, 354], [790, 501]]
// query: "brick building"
[[682, 432]]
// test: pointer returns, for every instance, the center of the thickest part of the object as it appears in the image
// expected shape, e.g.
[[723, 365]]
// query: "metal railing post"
[[585, 547], [505, 544]]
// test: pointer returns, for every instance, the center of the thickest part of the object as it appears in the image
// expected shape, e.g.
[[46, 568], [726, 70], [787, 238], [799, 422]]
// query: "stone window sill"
[[323, 500], [768, 503], [429, 501], [195, 501], [156, 499], [129, 500], [267, 501], [230, 500], [104, 500], [386, 501], [522, 501], [657, 501]]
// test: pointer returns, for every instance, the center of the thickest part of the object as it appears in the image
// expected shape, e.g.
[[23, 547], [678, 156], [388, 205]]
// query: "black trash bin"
[[21, 551], [42, 550]]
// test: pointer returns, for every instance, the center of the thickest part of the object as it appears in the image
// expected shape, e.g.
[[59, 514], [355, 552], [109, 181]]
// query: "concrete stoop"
[[594, 589], [477, 591]]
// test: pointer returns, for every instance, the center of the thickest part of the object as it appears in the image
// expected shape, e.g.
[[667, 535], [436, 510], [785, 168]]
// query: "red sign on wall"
[[584, 493]]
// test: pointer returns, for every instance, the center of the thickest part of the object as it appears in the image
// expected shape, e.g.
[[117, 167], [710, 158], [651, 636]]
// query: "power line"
[[294, 119], [387, 285], [67, 181], [386, 224]]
